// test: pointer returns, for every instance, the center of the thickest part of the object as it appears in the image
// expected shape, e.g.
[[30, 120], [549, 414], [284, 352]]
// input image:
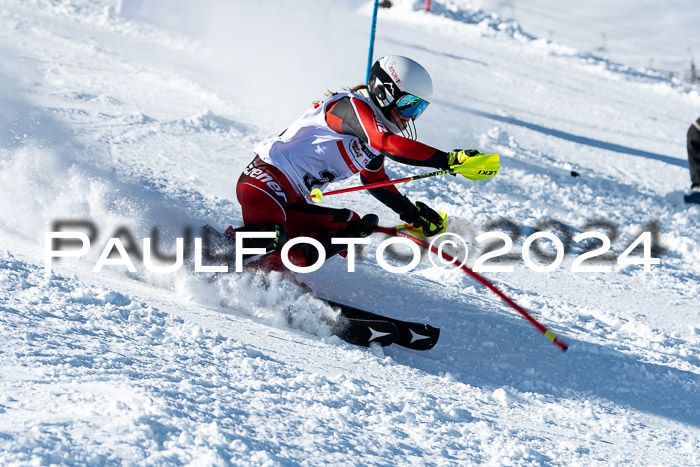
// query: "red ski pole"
[[477, 167], [486, 283], [316, 194]]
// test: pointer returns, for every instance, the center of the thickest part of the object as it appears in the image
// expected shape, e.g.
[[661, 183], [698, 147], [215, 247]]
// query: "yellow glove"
[[425, 218], [472, 164]]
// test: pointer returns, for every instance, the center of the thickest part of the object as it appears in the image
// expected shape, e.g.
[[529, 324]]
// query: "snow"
[[130, 115], [643, 34]]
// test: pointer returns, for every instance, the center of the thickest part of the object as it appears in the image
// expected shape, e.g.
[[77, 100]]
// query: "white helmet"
[[399, 82]]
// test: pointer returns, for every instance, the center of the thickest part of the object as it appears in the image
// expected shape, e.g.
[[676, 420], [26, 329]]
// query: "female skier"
[[347, 133]]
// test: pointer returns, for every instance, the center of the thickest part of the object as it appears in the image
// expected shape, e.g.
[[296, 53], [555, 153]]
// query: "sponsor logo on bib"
[[359, 154]]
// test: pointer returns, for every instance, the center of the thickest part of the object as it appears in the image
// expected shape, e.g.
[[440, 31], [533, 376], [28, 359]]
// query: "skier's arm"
[[388, 195], [355, 117], [419, 214]]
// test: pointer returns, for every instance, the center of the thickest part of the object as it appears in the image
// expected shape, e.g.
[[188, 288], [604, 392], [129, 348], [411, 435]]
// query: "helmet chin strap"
[[413, 132], [409, 130]]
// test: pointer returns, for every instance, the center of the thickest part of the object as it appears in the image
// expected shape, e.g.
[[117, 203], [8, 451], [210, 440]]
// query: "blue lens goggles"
[[411, 106]]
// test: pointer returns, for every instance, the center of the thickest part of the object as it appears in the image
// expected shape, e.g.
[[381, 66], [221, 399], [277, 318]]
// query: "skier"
[[346, 133], [694, 161]]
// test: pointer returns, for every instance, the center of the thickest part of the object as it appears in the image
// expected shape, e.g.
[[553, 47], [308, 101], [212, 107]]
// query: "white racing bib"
[[312, 155]]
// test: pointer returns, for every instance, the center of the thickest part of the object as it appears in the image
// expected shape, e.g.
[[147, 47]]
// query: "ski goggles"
[[411, 106]]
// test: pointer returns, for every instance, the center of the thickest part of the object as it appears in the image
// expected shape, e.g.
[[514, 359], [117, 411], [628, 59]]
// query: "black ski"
[[364, 332], [363, 328]]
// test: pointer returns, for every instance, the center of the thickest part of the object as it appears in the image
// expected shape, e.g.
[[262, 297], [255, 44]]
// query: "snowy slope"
[[144, 115], [642, 33]]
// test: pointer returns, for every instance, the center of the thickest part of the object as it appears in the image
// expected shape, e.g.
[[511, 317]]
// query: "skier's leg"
[[269, 202], [313, 220], [264, 194], [694, 153], [324, 224]]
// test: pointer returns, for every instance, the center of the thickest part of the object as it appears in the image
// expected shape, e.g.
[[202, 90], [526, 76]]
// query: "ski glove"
[[459, 156], [473, 165], [422, 216]]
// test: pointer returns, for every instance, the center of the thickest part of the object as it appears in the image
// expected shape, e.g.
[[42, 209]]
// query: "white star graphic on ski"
[[417, 337], [377, 334]]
